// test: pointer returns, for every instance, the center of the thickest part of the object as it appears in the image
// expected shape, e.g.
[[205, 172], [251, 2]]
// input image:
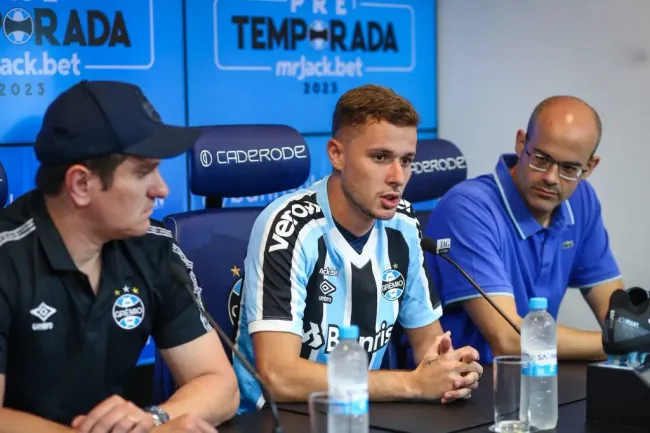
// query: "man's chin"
[[136, 230], [542, 206], [144, 227], [384, 214]]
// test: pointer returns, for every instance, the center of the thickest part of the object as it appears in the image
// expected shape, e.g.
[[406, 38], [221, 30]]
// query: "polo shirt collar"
[[524, 221]]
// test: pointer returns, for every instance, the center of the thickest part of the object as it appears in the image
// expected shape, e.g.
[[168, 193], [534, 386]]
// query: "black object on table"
[[618, 396]]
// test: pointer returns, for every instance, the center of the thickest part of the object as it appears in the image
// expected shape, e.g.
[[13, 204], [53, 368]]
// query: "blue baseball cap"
[[98, 118]]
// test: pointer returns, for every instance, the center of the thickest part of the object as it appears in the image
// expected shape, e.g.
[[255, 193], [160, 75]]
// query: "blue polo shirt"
[[507, 252]]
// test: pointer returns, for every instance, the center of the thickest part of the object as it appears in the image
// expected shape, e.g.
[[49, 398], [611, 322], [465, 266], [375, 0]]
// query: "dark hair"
[[50, 178], [532, 121], [372, 103]]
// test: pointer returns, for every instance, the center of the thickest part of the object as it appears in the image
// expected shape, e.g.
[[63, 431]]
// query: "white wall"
[[499, 58]]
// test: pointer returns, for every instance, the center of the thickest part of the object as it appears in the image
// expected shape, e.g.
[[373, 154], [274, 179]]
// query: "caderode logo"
[[206, 158], [253, 156], [436, 165]]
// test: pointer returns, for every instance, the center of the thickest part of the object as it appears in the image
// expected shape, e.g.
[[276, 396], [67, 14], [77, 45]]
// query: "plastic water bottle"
[[539, 376], [347, 375]]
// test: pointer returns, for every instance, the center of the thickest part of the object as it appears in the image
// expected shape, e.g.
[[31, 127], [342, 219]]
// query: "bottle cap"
[[349, 332], [538, 303]]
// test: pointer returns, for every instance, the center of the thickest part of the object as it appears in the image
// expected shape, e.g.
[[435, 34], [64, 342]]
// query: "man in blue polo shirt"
[[532, 228]]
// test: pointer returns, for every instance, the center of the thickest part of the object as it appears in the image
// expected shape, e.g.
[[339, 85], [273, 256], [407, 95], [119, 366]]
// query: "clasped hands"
[[116, 415], [447, 373]]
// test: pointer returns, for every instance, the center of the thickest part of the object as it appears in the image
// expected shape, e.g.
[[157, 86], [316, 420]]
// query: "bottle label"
[[350, 401], [542, 363]]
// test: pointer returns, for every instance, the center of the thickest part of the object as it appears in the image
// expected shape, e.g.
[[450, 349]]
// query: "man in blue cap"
[[533, 228], [86, 278]]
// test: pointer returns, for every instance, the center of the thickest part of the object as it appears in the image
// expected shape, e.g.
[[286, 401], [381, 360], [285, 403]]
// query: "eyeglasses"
[[540, 162]]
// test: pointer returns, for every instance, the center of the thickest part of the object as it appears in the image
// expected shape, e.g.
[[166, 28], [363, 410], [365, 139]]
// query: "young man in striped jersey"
[[86, 278], [347, 251]]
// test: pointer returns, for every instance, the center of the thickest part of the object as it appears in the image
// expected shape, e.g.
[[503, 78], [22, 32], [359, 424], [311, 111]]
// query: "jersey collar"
[[524, 221]]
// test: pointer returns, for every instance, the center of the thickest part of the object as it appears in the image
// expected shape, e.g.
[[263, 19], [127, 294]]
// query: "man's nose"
[[396, 174], [159, 189], [552, 175]]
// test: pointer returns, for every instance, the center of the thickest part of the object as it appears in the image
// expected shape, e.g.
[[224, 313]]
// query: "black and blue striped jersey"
[[301, 276]]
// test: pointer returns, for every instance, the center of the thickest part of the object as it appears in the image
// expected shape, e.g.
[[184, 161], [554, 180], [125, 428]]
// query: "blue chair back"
[[4, 187], [438, 166], [230, 161]]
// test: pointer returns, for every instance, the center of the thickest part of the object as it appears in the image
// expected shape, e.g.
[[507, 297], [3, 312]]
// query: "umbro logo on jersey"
[[326, 288], [43, 312]]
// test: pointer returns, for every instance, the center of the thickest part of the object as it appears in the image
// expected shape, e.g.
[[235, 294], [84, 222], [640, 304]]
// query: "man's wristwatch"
[[159, 415]]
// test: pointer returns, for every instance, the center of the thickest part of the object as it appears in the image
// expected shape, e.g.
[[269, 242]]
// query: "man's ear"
[[520, 142], [591, 165], [78, 183], [335, 154]]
